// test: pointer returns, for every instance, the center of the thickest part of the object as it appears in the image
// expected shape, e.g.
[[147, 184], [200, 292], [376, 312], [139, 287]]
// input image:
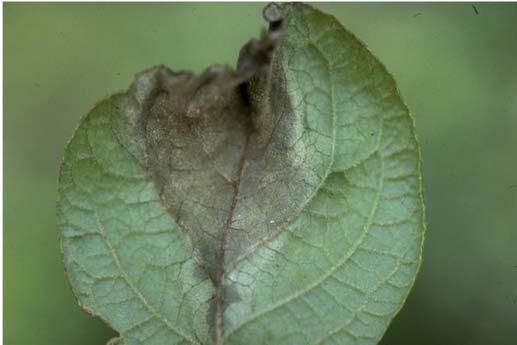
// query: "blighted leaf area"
[[231, 160]]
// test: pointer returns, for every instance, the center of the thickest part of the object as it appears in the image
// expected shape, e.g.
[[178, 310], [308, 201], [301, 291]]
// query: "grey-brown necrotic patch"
[[229, 151]]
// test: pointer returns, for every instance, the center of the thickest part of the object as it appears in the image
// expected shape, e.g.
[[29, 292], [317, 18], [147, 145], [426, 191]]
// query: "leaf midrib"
[[219, 279]]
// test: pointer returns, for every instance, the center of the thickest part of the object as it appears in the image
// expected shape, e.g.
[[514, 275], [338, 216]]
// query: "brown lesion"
[[197, 131], [219, 147]]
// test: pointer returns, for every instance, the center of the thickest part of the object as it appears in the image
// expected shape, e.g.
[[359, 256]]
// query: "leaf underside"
[[278, 203]]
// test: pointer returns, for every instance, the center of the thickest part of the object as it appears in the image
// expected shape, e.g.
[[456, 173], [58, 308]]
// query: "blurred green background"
[[456, 69]]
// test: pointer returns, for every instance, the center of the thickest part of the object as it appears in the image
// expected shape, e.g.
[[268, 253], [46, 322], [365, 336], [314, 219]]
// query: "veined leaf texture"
[[277, 203]]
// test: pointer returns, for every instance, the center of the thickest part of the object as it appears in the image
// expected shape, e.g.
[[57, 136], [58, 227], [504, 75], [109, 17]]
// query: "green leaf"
[[279, 203]]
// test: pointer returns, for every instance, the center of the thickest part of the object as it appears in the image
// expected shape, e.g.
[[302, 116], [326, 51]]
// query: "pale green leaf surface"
[[124, 256], [336, 273]]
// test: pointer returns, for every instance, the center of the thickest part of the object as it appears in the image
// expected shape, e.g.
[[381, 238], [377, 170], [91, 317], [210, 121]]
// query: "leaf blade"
[[338, 269]]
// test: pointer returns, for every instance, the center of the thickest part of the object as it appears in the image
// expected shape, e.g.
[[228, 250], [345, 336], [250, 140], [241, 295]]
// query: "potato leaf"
[[277, 203]]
